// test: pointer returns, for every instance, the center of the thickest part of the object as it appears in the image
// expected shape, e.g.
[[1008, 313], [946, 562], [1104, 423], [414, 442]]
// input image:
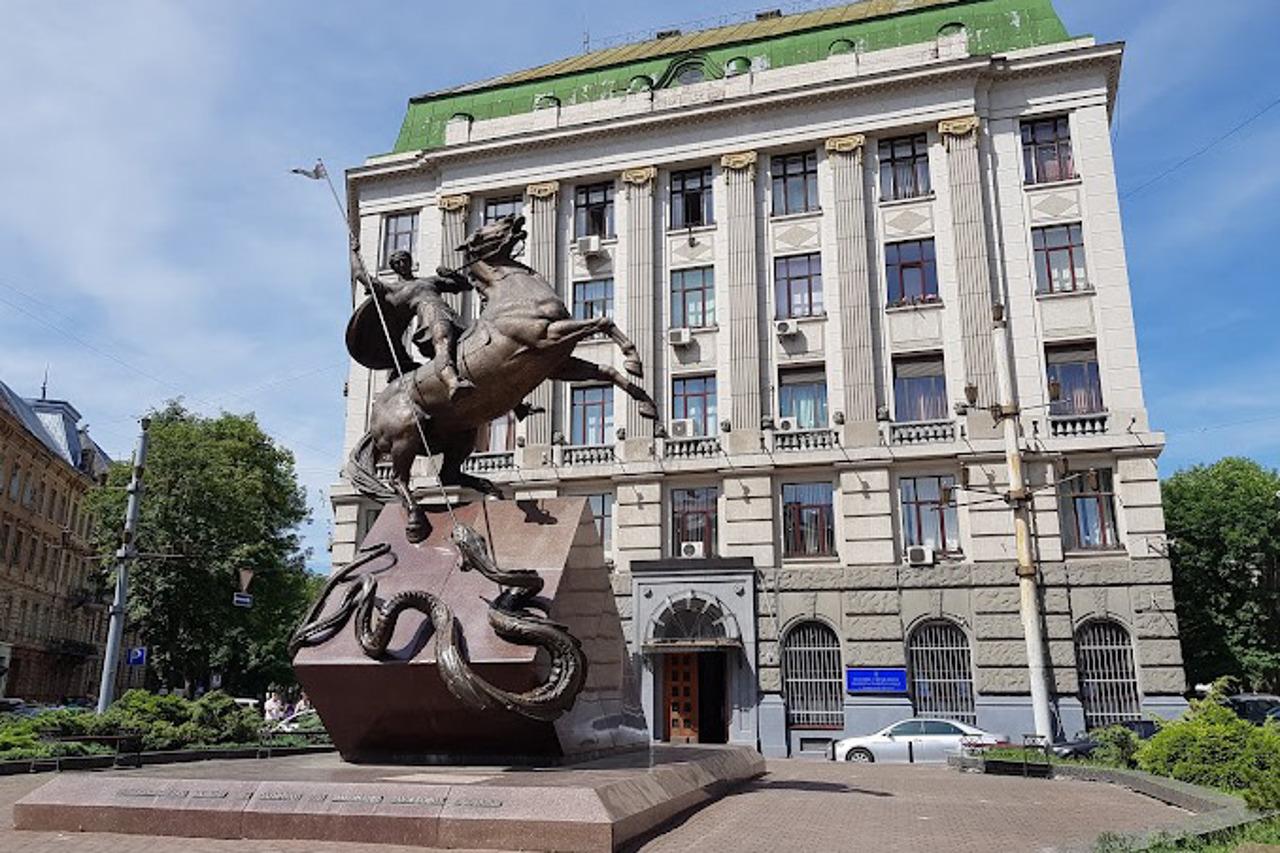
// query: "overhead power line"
[[1185, 160]]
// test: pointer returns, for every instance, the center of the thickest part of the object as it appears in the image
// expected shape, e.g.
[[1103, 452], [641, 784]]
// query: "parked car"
[[917, 740], [1253, 707], [1273, 716], [1083, 745]]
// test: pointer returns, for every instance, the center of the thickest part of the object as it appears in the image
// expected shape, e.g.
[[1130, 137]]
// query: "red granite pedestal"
[[591, 806], [399, 710]]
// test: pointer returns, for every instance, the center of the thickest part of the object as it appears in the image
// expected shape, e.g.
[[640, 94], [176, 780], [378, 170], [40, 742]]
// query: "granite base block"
[[592, 806]]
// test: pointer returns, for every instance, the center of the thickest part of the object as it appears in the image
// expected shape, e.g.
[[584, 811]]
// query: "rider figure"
[[439, 326]]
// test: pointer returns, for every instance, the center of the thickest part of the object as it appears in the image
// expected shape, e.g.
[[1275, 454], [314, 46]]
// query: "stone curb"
[[108, 762]]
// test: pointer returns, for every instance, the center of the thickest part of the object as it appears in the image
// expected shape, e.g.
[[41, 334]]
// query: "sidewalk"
[[798, 805]]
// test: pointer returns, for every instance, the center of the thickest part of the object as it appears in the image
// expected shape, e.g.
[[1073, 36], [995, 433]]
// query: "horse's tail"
[[362, 473]]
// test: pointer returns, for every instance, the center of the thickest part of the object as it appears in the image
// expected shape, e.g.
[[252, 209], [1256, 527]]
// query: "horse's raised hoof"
[[634, 367], [418, 527], [648, 410]]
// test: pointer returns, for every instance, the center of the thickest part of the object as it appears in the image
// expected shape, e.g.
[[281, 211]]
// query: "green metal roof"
[[992, 26]]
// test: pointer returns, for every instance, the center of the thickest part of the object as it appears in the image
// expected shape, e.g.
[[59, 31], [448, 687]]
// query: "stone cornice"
[[845, 144], [545, 189], [639, 177], [962, 126], [450, 203], [739, 160]]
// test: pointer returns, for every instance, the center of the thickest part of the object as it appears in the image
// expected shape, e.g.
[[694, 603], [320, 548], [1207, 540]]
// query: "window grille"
[[1108, 682], [941, 672], [813, 677]]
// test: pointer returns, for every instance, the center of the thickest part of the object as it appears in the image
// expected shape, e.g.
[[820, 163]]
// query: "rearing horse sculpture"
[[523, 336]]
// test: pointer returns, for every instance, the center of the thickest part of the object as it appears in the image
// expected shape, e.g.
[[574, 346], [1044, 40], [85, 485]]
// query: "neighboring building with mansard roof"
[[807, 224], [52, 623]]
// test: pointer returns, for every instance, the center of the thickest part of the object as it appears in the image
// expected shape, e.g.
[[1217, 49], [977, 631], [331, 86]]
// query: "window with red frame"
[[498, 436], [798, 281], [1086, 506], [926, 518], [808, 520], [591, 415], [1059, 259], [1075, 368], [694, 518], [911, 270], [694, 397], [1046, 150], [904, 167]]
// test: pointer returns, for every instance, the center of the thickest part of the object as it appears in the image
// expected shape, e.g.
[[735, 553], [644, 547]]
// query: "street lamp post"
[[127, 552]]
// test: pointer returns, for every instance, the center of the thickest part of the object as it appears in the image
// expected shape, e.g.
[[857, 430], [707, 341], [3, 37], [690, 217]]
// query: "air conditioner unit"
[[786, 328], [682, 428], [920, 555], [693, 550], [679, 337], [588, 246], [787, 425]]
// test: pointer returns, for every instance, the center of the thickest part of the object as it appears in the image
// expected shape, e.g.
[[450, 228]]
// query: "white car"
[[913, 741]]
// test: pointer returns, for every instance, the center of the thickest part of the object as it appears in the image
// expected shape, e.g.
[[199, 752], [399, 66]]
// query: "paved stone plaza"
[[798, 805]]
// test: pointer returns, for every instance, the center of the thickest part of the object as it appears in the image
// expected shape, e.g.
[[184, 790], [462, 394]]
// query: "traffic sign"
[[242, 599], [138, 656]]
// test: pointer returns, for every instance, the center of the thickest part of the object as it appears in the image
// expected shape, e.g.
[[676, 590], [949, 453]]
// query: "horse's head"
[[496, 241]]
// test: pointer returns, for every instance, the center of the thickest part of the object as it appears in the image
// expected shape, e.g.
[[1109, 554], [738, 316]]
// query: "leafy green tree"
[[220, 496], [1223, 521]]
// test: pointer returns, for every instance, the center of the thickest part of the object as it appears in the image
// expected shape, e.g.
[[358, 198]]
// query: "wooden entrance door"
[[680, 690]]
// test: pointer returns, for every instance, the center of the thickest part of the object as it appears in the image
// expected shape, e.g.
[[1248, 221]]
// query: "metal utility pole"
[[126, 553], [1020, 499]]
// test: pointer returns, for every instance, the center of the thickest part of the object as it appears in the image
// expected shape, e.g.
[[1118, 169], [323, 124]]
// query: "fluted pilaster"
[[858, 353], [973, 269], [543, 229], [742, 282], [642, 307], [453, 232]]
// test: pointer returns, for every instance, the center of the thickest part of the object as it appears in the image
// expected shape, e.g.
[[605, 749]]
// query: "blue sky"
[[154, 244]]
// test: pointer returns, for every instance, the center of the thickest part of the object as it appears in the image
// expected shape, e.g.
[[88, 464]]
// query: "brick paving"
[[798, 805]]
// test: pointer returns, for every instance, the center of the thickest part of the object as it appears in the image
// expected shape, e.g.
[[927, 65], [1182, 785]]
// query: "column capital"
[[546, 189], [962, 126], [740, 160], [639, 176], [453, 202], [845, 144]]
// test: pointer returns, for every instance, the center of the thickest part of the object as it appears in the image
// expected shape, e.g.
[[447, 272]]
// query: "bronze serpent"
[[509, 616]]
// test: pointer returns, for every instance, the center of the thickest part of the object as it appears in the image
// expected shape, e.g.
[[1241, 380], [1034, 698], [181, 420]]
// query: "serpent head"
[[470, 544]]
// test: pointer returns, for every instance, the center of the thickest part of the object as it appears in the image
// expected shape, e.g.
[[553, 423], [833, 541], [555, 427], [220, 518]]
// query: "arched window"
[[692, 619], [941, 672], [1108, 680], [813, 677]]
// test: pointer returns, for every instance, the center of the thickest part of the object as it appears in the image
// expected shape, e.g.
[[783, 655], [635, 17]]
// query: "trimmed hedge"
[[164, 723]]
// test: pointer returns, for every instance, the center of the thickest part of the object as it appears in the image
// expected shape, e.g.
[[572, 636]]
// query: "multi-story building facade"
[[52, 620], [831, 235]]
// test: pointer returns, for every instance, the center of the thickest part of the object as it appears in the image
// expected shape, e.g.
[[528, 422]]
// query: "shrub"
[[1117, 746], [1212, 746]]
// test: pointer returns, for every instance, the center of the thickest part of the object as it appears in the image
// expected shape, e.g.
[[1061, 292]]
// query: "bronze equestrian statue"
[[523, 336]]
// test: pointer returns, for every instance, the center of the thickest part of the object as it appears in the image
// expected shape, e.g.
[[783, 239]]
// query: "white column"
[[973, 269], [543, 243], [742, 281], [453, 231], [643, 309], [858, 353]]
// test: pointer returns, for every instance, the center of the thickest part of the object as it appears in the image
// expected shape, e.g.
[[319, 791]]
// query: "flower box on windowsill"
[[1066, 294], [914, 304]]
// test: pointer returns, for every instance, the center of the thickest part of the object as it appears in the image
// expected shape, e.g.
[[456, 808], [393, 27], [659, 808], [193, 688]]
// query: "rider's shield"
[[367, 341]]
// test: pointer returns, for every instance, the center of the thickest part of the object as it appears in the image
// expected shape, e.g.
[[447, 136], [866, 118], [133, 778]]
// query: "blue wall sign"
[[860, 680], [138, 656], [242, 599]]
